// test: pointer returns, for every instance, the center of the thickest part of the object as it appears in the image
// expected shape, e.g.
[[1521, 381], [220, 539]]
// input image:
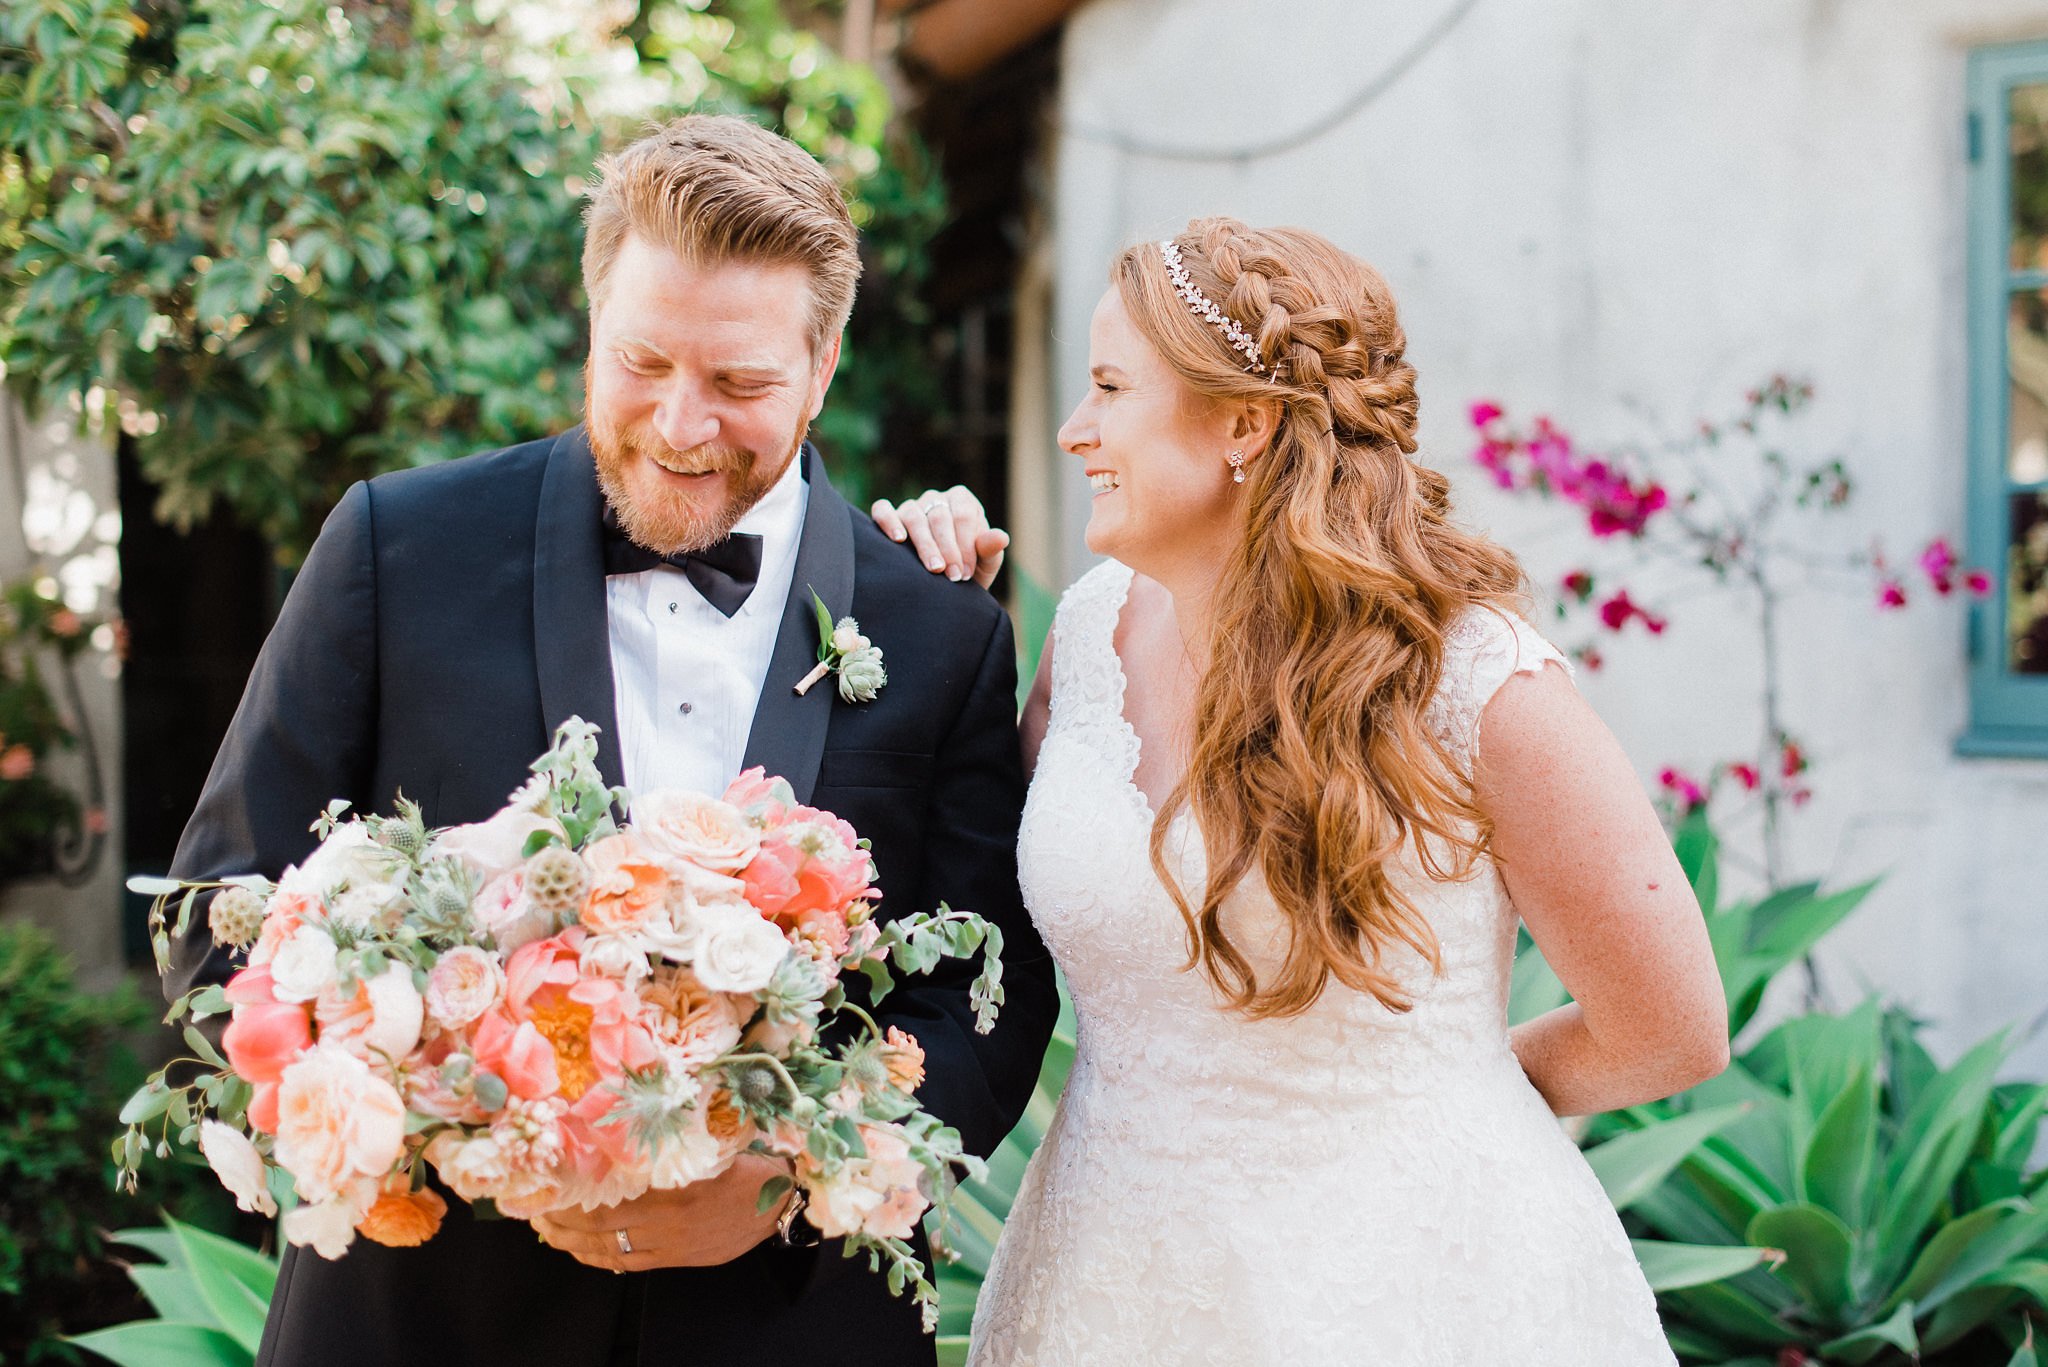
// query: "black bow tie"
[[724, 573]]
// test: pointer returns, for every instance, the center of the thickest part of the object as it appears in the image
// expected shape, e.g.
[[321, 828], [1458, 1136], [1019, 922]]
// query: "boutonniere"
[[842, 650]]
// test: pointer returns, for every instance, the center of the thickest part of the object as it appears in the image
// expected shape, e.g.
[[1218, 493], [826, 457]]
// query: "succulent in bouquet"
[[552, 1008]]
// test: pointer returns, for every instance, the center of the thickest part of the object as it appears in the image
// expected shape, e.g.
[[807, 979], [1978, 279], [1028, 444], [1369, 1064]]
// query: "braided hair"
[[1313, 762]]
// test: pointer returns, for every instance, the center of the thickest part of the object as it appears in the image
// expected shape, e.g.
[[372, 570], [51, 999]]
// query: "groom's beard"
[[670, 520]]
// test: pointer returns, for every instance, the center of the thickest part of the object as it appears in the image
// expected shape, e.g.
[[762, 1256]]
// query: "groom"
[[652, 572]]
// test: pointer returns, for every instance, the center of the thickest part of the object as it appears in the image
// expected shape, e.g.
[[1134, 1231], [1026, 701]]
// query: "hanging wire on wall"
[[1379, 85]]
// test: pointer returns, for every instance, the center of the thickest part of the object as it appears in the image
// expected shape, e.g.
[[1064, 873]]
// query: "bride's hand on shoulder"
[[1594, 878], [949, 530]]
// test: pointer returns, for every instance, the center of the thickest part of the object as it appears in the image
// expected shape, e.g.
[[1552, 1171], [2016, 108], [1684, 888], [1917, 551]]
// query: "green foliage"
[[291, 244], [1888, 1206], [64, 1071], [210, 1296]]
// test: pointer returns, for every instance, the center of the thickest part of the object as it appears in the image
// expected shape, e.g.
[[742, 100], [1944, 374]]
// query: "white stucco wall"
[[1589, 205], [59, 516]]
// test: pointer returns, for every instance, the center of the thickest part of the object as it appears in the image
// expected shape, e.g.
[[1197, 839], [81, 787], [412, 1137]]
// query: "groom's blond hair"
[[713, 188]]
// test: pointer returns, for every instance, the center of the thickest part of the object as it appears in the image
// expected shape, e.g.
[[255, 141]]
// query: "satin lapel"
[[788, 738], [571, 632]]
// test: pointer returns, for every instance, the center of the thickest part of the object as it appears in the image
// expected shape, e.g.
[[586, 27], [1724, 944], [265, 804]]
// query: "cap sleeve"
[[1483, 649]]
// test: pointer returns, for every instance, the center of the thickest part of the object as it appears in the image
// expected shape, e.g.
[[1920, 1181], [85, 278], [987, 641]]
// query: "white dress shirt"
[[685, 677]]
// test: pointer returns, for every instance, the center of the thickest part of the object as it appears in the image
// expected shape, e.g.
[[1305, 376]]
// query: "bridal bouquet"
[[551, 1009]]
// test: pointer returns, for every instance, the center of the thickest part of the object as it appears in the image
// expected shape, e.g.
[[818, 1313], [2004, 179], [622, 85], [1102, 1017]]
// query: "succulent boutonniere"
[[842, 650]]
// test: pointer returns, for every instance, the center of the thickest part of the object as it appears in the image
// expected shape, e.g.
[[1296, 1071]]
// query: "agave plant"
[[210, 1294], [1896, 1198]]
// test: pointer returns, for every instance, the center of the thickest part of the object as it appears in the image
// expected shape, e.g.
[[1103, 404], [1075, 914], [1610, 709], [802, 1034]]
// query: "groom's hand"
[[949, 531], [701, 1225]]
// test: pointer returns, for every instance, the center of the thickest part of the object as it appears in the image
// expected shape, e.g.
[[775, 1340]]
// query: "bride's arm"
[[1595, 880], [1037, 710]]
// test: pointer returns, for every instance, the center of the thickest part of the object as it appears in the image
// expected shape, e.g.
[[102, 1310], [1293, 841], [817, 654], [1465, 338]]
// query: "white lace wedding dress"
[[1344, 1186]]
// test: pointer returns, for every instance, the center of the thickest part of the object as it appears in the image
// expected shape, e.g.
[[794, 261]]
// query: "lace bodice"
[[1299, 1190]]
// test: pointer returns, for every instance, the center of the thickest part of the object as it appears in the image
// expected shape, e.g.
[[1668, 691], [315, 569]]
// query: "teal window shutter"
[[2008, 351]]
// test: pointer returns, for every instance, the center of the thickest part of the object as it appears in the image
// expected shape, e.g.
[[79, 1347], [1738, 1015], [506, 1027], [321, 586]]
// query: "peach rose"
[[628, 887], [508, 915], [695, 829], [282, 916], [336, 1121], [762, 798], [380, 1020], [402, 1217], [263, 1038], [463, 984]]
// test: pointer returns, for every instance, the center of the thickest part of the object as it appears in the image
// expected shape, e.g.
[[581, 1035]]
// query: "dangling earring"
[[1236, 459]]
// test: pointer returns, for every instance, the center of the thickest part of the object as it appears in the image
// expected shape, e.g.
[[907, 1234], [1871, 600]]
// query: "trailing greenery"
[[64, 1070], [288, 244]]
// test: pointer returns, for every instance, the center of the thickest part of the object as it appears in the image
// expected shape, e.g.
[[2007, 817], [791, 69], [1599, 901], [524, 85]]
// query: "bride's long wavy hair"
[[1313, 760]]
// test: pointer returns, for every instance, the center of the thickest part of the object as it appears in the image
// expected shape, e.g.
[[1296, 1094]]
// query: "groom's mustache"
[[697, 459]]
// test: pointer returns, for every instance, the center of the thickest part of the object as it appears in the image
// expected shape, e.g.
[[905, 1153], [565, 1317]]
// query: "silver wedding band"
[[625, 1244]]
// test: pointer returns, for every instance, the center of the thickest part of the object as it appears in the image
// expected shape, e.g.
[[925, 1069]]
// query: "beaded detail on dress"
[[1349, 1185]]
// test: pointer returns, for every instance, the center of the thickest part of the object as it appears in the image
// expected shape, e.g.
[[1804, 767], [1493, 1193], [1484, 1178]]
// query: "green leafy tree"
[[291, 243]]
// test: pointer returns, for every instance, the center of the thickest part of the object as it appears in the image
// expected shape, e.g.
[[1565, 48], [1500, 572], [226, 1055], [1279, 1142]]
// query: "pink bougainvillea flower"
[[1746, 775], [1617, 611], [1891, 594], [1978, 583], [1687, 791], [1939, 562], [1484, 412], [1579, 584]]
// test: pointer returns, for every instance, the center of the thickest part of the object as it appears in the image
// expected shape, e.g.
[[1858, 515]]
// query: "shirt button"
[[671, 608], [684, 708]]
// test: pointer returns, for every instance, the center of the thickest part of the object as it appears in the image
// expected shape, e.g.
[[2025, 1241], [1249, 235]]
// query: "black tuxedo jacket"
[[447, 619]]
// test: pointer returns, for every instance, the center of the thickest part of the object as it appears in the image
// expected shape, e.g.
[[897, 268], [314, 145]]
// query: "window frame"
[[2008, 711]]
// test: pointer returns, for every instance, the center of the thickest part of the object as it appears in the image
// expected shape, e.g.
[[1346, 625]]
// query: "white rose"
[[329, 1226], [463, 984], [846, 638], [495, 846], [737, 951], [350, 857], [471, 1166], [695, 829], [236, 1163], [396, 1013], [689, 1156], [369, 907], [336, 1122], [303, 966], [622, 957], [509, 916]]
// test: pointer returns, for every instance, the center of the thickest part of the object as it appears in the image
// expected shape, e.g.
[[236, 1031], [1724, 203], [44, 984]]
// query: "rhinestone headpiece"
[[1205, 308]]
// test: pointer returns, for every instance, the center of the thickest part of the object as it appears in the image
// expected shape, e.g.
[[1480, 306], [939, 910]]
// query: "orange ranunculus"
[[403, 1218], [628, 888], [903, 1056]]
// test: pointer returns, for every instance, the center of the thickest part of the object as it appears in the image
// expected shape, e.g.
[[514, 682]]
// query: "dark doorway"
[[198, 605]]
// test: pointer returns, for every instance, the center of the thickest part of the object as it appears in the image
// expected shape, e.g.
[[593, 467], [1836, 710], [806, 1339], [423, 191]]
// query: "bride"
[[1299, 768]]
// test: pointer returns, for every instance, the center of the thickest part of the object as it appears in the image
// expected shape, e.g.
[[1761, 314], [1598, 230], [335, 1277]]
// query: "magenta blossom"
[[1690, 796], [1891, 594]]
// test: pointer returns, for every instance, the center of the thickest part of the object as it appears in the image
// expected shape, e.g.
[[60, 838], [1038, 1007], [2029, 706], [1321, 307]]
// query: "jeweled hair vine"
[[1203, 307]]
